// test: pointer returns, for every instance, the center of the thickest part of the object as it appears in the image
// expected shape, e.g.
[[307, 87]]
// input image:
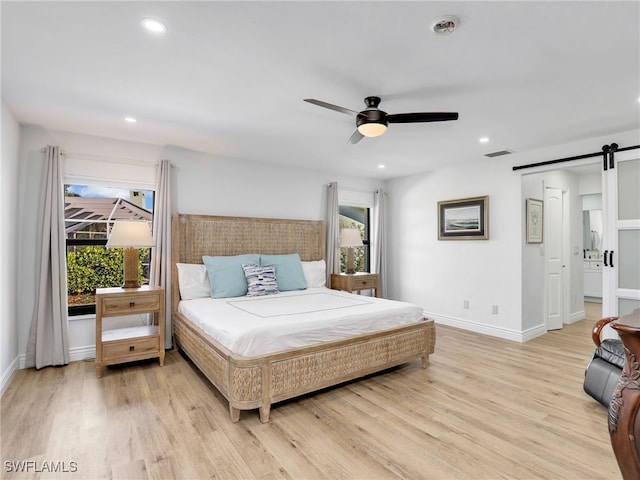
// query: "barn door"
[[621, 239]]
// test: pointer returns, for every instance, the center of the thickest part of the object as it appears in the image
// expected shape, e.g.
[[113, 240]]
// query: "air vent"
[[499, 153]]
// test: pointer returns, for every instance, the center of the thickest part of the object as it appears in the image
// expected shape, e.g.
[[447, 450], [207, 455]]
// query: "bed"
[[258, 381]]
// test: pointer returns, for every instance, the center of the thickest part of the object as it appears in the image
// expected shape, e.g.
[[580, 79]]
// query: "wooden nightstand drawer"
[[125, 304], [130, 348], [364, 282]]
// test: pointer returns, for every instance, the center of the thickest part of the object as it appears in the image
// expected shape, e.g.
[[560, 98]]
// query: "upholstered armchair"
[[604, 369]]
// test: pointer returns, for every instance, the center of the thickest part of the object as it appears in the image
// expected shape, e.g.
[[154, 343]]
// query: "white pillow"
[[315, 273], [193, 281]]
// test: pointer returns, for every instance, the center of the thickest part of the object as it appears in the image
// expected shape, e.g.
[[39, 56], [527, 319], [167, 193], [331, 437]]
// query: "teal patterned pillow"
[[261, 280]]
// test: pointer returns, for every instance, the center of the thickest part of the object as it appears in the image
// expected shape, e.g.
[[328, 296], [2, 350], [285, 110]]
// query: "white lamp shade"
[[350, 237], [130, 233]]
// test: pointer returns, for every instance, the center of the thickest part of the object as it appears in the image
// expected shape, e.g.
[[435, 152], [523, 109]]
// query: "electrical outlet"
[[466, 304], [494, 309]]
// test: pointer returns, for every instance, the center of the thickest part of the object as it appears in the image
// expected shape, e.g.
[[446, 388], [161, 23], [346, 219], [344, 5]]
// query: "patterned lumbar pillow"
[[261, 280]]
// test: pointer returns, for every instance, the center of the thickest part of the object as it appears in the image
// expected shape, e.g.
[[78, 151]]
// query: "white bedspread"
[[252, 326]]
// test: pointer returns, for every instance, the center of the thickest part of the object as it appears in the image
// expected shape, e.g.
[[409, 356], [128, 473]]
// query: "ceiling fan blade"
[[422, 117], [355, 138], [330, 106]]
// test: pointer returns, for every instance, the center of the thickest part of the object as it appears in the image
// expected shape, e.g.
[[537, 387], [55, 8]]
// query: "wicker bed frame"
[[258, 382]]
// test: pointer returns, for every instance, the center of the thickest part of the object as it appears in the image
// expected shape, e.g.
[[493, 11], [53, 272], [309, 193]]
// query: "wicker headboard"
[[196, 235]]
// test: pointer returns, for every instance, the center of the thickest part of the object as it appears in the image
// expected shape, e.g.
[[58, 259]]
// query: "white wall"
[[533, 266], [202, 184], [590, 184], [8, 247], [439, 275]]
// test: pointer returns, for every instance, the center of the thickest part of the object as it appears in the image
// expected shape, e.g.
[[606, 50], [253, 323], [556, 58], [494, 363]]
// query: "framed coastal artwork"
[[464, 219]]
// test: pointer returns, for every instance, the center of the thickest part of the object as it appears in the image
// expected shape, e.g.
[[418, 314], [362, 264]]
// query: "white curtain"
[[333, 232], [161, 258], [378, 243], [48, 342]]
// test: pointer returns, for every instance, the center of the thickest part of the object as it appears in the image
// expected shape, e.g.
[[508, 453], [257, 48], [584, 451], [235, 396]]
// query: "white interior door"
[[553, 253], [621, 242]]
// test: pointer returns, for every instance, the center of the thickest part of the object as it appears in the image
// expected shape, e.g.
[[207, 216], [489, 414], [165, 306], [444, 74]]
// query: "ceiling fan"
[[372, 122]]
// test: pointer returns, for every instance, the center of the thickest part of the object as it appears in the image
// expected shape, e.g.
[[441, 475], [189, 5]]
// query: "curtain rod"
[[568, 159], [108, 158], [347, 188]]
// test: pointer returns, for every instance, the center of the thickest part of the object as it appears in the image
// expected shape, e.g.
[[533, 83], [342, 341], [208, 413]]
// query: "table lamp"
[[131, 235], [349, 239]]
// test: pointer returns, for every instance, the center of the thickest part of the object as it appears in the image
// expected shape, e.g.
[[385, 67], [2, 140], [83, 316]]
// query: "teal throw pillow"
[[289, 273], [226, 275]]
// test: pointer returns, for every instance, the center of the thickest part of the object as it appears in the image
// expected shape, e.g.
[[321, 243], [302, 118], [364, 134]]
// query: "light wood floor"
[[593, 311], [484, 409]]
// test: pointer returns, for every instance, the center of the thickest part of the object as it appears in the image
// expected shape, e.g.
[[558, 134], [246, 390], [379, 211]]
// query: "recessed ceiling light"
[[380, 166], [154, 26], [130, 120], [483, 139]]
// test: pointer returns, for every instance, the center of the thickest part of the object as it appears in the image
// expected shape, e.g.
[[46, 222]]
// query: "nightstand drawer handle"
[[364, 283], [132, 348], [132, 304]]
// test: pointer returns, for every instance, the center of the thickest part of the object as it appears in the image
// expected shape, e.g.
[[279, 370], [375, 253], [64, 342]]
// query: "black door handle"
[[605, 258], [611, 258]]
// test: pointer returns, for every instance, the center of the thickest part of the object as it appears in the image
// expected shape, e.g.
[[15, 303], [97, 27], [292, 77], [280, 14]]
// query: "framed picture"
[[464, 219], [534, 220]]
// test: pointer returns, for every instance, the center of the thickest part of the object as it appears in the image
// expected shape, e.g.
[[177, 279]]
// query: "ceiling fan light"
[[372, 129]]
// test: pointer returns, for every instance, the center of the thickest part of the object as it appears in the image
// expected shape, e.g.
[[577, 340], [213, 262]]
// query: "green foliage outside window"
[[94, 267]]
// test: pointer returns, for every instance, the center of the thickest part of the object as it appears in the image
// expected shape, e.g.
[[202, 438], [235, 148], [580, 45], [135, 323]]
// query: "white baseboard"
[[576, 317], [516, 336], [8, 374], [534, 332], [76, 354]]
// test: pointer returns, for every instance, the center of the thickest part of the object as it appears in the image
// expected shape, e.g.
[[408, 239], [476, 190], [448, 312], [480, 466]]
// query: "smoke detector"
[[445, 25]]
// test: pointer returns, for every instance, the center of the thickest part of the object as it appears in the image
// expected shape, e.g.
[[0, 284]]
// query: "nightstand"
[[132, 343], [354, 282]]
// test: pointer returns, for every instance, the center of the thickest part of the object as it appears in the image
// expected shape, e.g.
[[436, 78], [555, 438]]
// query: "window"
[[89, 212], [356, 217]]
